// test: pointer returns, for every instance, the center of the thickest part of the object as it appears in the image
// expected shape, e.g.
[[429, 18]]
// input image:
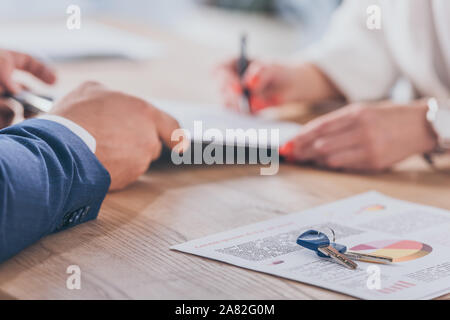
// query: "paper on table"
[[410, 233], [217, 117], [55, 41]]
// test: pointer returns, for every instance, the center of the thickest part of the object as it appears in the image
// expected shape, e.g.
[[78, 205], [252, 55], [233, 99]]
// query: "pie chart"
[[372, 208], [398, 250]]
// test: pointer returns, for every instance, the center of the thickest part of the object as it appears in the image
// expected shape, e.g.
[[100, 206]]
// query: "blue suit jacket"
[[49, 181]]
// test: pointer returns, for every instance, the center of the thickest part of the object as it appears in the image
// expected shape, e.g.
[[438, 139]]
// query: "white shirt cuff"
[[75, 128]]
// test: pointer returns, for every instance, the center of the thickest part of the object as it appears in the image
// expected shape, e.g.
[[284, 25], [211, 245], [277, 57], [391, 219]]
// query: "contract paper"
[[417, 237], [219, 118]]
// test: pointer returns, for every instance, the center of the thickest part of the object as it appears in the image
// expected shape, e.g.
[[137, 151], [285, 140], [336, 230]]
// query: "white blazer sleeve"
[[354, 57]]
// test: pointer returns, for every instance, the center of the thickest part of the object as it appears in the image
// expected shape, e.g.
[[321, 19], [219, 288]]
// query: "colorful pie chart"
[[398, 250], [372, 208]]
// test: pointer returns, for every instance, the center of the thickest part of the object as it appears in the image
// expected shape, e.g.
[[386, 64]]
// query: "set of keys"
[[320, 243]]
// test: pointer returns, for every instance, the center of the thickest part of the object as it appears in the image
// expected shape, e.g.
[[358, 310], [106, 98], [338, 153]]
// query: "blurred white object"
[[312, 16], [413, 42], [55, 41]]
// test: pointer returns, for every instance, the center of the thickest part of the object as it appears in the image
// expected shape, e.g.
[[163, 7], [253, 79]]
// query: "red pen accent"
[[257, 104], [253, 82], [287, 149]]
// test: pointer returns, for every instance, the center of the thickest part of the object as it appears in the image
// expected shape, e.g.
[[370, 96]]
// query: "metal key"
[[357, 256], [319, 242], [338, 257], [368, 257]]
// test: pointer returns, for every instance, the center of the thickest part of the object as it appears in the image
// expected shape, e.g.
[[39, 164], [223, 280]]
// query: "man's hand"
[[11, 61], [128, 130], [10, 112], [368, 137]]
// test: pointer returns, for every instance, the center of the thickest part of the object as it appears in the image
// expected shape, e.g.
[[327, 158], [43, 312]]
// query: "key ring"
[[332, 232], [313, 239]]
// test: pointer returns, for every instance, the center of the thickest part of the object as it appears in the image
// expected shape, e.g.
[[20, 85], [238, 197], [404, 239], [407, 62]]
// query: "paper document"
[[417, 237], [216, 117], [53, 40]]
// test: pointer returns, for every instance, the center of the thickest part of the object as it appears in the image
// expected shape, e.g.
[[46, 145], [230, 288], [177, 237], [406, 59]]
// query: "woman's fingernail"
[[253, 82], [257, 104], [287, 149]]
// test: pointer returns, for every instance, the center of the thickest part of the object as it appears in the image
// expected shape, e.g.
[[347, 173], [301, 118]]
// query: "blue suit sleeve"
[[49, 181]]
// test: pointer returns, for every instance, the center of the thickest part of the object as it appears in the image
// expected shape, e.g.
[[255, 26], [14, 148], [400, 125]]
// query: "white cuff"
[[75, 128]]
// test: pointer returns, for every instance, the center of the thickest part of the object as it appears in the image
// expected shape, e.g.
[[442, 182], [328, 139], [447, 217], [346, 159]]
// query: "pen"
[[31, 102], [242, 65]]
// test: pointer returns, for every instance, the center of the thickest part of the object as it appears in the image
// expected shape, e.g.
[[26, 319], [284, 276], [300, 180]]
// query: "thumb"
[[170, 132], [6, 70], [11, 112]]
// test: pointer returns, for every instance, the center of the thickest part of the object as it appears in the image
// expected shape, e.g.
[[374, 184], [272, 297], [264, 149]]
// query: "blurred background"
[[276, 24], [170, 46]]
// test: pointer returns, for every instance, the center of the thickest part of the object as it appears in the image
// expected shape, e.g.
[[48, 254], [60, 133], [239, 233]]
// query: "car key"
[[357, 256], [319, 242], [368, 257]]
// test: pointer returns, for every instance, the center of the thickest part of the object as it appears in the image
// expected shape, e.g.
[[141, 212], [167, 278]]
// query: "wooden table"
[[125, 252]]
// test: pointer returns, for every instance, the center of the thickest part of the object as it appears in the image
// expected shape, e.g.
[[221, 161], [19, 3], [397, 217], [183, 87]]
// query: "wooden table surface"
[[125, 252]]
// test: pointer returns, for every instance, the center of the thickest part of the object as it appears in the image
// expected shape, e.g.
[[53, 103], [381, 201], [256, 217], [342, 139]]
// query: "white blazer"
[[413, 42]]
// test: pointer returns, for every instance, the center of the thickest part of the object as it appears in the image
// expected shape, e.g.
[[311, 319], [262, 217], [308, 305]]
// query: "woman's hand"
[[273, 84], [364, 137]]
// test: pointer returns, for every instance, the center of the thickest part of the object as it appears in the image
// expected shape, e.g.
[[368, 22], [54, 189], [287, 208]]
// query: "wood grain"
[[125, 254]]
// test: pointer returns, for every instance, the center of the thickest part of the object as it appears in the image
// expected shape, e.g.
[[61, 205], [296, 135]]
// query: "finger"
[[329, 144], [324, 125], [27, 113], [6, 114], [227, 72], [258, 77], [258, 103], [33, 66], [352, 158], [305, 153], [166, 125], [230, 86], [11, 112], [232, 101], [230, 65], [231, 82], [6, 70], [156, 151]]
